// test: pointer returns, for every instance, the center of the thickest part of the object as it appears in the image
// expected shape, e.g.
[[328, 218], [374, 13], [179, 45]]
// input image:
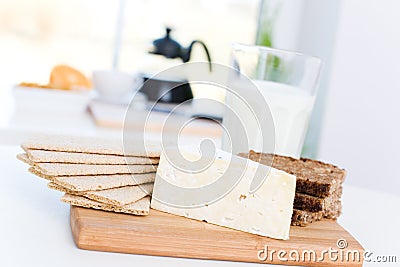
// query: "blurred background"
[[355, 121]]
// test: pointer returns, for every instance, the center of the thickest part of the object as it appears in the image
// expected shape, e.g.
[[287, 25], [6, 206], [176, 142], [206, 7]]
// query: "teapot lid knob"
[[167, 30]]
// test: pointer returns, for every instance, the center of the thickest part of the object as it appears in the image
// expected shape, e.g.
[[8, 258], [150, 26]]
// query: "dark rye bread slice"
[[314, 204], [308, 203], [314, 177], [334, 210], [303, 218], [331, 209]]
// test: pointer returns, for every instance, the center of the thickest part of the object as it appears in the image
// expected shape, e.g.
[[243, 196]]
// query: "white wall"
[[309, 26], [361, 129], [316, 37]]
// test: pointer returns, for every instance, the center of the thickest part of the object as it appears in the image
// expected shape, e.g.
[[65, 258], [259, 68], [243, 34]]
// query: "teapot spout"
[[187, 52]]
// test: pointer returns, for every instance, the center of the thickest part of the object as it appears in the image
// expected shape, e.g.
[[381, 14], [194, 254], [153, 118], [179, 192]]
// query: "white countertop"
[[25, 113], [35, 228]]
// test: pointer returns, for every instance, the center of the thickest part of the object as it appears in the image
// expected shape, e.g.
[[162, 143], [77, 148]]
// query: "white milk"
[[290, 106]]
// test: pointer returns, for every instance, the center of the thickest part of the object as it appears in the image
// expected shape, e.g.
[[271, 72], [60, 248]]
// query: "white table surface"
[[35, 228], [27, 114]]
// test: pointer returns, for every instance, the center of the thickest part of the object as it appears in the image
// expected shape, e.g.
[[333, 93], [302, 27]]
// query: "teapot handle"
[[189, 50]]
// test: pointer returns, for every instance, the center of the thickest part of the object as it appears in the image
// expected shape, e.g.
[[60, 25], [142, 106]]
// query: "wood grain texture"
[[162, 234]]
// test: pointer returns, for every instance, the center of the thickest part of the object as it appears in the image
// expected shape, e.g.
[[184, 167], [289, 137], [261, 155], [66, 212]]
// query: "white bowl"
[[50, 100], [113, 85]]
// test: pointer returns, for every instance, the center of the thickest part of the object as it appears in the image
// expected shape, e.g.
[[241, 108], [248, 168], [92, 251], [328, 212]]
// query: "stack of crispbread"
[[318, 186], [95, 173]]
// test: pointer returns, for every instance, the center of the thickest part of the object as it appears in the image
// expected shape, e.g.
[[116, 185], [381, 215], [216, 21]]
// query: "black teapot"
[[170, 48], [155, 88]]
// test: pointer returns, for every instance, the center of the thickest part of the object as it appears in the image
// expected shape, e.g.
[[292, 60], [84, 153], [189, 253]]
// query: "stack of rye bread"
[[318, 186], [95, 173], [100, 174]]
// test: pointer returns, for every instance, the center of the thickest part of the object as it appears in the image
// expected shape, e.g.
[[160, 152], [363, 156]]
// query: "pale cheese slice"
[[266, 212]]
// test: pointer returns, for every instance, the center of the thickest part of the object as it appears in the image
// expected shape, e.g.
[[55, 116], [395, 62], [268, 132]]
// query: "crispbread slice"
[[46, 156], [57, 187], [24, 158], [41, 175], [117, 196], [121, 196], [68, 169], [94, 145], [97, 182], [102, 182], [140, 207]]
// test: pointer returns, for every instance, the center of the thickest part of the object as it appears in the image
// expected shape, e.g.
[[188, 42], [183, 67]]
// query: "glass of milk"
[[269, 101]]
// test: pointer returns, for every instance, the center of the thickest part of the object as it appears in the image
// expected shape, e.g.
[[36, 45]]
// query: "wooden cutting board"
[[163, 234]]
